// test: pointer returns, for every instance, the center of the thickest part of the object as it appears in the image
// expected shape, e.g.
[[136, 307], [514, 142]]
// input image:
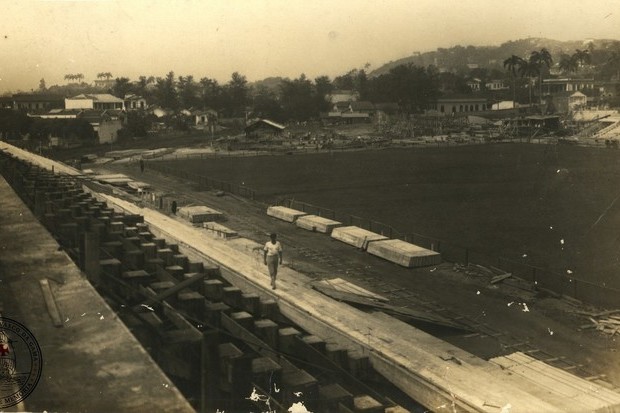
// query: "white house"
[[134, 102], [343, 96], [474, 84], [496, 84], [99, 101]]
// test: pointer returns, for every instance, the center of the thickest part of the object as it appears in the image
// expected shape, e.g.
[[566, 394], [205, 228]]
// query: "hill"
[[456, 59]]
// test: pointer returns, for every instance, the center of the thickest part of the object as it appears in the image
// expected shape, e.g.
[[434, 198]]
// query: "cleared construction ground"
[[206, 278]]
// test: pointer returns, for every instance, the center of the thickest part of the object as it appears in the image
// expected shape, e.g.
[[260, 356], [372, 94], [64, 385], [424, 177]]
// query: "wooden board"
[[347, 287]]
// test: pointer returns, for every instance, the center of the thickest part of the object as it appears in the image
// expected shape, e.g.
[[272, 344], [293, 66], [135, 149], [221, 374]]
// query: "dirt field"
[[547, 205]]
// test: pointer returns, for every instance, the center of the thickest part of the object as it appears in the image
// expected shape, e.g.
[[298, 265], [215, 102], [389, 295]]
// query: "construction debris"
[[604, 322], [478, 270]]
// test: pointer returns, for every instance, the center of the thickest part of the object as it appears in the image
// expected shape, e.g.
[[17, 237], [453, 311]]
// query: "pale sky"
[[213, 38]]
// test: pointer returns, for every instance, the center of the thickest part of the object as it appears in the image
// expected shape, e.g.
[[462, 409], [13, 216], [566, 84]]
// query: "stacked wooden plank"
[[197, 214], [569, 392], [284, 213], [403, 253]]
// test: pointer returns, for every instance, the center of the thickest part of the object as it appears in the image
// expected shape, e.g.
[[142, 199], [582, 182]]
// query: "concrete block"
[[284, 213], [166, 255], [131, 231], [161, 286], [250, 302], [211, 270], [266, 372], [300, 381], [366, 404], [213, 289], [403, 253], [317, 223], [180, 260], [134, 259], [213, 313], [269, 308], [356, 236], [151, 264], [146, 236], [232, 296], [113, 248], [191, 302], [287, 339], [111, 267], [268, 331], [199, 213], [359, 364], [195, 266], [234, 368], [117, 227], [337, 354], [176, 271], [396, 409], [315, 342], [333, 394], [244, 319], [150, 250]]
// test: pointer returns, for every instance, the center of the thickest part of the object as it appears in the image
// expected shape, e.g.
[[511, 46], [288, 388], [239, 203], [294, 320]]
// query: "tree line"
[[296, 99]]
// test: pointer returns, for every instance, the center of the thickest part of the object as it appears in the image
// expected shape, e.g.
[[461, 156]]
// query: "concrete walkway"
[[92, 363]]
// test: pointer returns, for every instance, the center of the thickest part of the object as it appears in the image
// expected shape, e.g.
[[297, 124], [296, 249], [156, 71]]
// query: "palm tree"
[[582, 57], [540, 59], [530, 70], [512, 64], [568, 63]]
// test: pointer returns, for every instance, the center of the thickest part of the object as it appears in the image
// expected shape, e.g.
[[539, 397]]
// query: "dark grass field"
[[552, 206]]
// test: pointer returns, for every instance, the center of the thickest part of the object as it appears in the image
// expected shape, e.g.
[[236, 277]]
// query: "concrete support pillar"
[[266, 373], [175, 271], [366, 404], [180, 260], [300, 381], [213, 313], [337, 355], [232, 296], [244, 319], [287, 339], [166, 255], [192, 302], [91, 265], [269, 308], [359, 365], [236, 379], [332, 395], [250, 303], [213, 289], [150, 250], [268, 331]]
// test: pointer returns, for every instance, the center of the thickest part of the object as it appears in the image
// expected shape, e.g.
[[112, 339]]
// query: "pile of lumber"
[[495, 274], [607, 322]]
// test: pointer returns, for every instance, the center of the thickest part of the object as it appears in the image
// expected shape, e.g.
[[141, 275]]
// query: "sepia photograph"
[[271, 206]]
